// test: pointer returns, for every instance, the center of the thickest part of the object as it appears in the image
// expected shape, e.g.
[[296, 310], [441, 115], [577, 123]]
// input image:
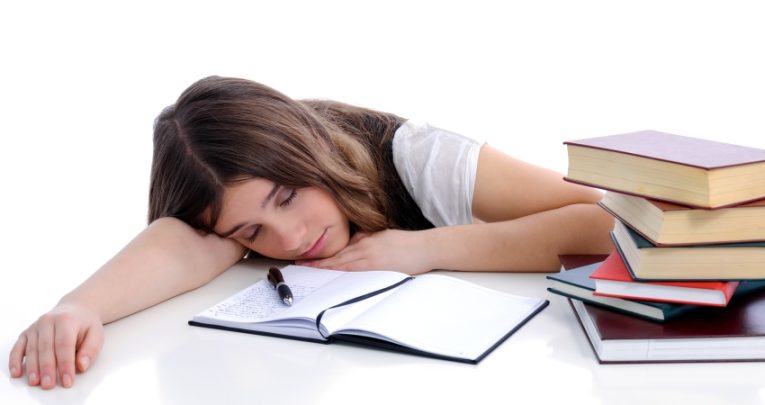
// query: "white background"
[[81, 82]]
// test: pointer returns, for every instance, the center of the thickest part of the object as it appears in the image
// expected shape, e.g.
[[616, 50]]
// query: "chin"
[[329, 251]]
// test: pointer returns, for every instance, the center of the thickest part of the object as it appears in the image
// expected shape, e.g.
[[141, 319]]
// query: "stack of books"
[[687, 279]]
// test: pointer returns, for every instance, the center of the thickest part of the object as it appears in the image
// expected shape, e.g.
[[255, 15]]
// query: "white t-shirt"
[[438, 169]]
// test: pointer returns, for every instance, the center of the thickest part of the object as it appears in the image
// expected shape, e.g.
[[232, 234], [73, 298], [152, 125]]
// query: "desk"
[[155, 357]]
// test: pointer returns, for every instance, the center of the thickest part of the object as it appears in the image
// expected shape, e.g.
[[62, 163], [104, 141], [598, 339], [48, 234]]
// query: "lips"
[[316, 248]]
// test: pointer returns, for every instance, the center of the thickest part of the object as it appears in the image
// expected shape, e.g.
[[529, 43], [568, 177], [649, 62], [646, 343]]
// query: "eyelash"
[[254, 235], [287, 201]]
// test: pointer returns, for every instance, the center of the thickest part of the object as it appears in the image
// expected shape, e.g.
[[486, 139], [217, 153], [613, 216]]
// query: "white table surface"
[[155, 357]]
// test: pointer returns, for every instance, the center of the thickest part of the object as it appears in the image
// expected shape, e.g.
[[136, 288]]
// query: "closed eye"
[[291, 197], [292, 193], [251, 238]]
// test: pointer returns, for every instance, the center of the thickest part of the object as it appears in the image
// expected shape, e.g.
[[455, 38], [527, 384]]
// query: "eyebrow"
[[263, 204]]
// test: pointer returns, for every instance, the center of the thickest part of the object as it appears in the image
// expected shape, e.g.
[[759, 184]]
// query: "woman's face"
[[281, 222]]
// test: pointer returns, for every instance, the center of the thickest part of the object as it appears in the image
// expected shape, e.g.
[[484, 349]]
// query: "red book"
[[674, 168], [612, 279]]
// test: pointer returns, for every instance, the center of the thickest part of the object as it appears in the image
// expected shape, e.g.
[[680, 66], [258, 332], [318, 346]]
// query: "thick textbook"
[[730, 261], [574, 282], [674, 168], [706, 334], [430, 315], [666, 224], [612, 279]]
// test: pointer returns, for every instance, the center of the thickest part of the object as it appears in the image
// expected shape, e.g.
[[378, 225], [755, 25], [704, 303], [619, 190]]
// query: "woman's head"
[[224, 132]]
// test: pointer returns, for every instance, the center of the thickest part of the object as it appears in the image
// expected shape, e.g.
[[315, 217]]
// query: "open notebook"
[[430, 315]]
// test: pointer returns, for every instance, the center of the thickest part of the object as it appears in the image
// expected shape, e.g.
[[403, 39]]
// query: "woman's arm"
[[533, 215], [530, 214], [529, 243], [507, 188], [164, 260]]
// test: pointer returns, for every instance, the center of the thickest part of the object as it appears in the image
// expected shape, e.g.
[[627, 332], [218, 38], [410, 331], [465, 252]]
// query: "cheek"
[[268, 247], [271, 252]]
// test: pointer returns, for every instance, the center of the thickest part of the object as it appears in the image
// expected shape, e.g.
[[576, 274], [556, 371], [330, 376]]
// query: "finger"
[[328, 262], [348, 254], [90, 346], [46, 353], [64, 343], [361, 264], [17, 355], [352, 261], [33, 371]]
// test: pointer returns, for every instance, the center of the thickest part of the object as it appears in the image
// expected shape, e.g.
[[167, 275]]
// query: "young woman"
[[239, 167]]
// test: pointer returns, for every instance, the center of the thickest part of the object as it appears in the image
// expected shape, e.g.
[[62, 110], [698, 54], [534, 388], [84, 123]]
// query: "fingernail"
[[14, 370], [32, 377], [84, 362], [66, 380], [45, 381]]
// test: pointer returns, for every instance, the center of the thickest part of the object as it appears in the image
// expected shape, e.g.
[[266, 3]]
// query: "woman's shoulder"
[[438, 169], [414, 137]]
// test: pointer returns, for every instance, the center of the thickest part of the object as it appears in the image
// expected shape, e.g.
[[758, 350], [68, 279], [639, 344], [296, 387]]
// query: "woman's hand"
[[65, 340], [405, 251]]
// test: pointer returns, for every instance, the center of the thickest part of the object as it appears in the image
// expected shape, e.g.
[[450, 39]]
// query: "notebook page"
[[260, 302], [444, 315], [314, 291]]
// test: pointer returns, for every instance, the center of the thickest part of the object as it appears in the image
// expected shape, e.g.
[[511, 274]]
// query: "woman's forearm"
[[530, 243], [166, 259]]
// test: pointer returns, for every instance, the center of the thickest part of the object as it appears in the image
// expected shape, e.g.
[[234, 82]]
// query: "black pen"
[[277, 281]]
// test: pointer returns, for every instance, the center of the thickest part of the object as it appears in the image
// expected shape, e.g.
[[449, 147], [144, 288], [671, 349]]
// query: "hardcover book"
[[731, 261], [612, 279], [574, 282], [430, 315], [706, 334], [666, 224], [674, 168]]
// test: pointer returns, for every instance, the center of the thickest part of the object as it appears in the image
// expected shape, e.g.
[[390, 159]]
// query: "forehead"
[[246, 190]]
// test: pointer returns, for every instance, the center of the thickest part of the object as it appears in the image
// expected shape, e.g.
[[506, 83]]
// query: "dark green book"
[[576, 283], [722, 262]]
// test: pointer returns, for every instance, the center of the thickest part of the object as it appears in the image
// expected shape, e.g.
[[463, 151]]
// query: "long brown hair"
[[224, 130]]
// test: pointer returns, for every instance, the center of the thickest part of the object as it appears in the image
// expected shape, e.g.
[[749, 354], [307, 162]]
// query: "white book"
[[431, 315]]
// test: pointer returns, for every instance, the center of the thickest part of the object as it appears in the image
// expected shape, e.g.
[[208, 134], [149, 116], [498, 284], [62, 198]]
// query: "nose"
[[290, 234]]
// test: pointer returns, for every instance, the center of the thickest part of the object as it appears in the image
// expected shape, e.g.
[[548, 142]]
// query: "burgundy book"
[[569, 262], [706, 334], [668, 167]]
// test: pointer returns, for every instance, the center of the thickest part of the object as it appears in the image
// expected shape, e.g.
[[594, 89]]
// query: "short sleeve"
[[438, 169]]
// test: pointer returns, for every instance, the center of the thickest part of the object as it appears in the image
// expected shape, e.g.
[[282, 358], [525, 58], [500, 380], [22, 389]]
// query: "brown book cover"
[[569, 262], [705, 334], [678, 149], [678, 169], [666, 224]]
